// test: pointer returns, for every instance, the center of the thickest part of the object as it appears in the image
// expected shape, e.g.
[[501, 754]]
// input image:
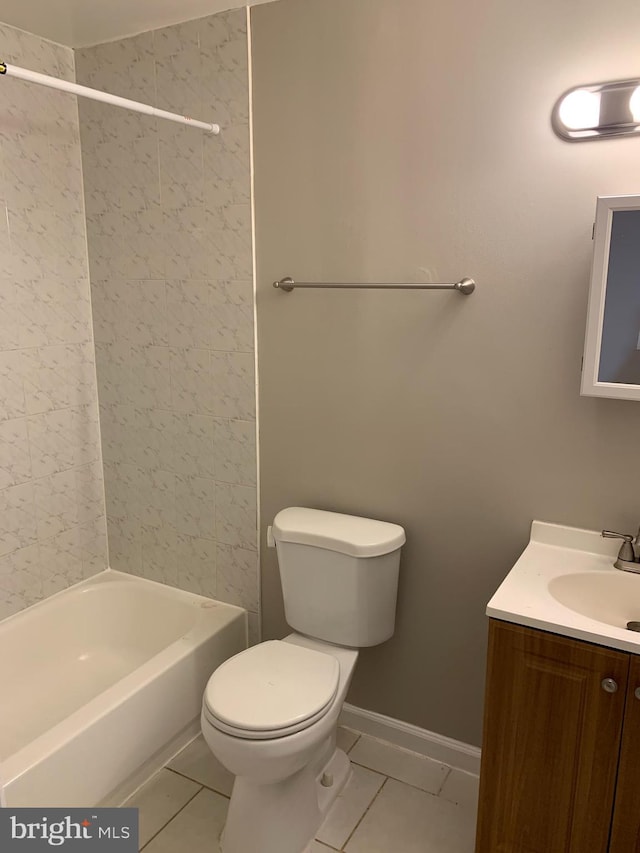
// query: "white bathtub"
[[99, 681]]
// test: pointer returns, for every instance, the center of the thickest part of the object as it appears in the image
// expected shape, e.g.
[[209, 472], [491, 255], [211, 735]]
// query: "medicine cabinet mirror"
[[611, 366]]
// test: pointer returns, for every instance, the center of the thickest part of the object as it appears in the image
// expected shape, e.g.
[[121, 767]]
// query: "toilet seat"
[[271, 690]]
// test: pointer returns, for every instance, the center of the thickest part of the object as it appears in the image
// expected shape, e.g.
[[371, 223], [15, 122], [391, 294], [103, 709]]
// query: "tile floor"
[[396, 802]]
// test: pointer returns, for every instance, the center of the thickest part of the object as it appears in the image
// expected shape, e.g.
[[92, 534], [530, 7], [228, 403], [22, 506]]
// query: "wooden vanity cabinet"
[[561, 754], [625, 831]]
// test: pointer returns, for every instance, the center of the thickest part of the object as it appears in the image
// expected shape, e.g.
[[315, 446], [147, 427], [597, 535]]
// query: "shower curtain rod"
[[105, 97]]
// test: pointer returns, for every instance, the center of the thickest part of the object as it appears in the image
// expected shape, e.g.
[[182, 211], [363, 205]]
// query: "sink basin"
[[603, 596], [565, 582]]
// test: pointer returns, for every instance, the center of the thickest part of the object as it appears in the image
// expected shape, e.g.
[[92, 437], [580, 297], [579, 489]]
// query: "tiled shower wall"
[[52, 525], [169, 228]]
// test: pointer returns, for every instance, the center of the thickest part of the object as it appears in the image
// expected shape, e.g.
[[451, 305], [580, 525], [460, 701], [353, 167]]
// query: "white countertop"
[[604, 597]]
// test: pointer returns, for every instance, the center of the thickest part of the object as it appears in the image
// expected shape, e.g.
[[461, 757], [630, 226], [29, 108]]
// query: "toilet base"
[[283, 817]]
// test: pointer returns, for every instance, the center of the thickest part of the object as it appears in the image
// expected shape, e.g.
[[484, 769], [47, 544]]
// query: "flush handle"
[[610, 685]]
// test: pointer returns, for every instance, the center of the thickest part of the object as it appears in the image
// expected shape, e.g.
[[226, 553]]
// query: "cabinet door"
[[551, 742], [625, 836]]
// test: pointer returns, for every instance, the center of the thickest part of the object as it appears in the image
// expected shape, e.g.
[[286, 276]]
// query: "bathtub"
[[99, 684]]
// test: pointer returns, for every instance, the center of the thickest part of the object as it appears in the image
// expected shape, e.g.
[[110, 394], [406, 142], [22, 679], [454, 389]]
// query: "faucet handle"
[[626, 549], [636, 546]]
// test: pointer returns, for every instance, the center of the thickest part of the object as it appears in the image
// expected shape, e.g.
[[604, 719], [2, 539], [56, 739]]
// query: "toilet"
[[270, 713]]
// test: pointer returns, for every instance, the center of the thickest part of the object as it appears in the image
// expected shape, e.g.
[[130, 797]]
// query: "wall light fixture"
[[598, 110]]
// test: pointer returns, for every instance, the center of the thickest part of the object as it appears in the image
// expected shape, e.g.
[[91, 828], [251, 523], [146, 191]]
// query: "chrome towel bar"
[[464, 286]]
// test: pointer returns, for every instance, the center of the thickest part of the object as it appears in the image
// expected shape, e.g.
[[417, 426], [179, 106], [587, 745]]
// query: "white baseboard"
[[432, 745]]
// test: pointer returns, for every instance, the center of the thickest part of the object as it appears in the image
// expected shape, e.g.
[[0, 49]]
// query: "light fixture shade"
[[580, 110], [598, 111], [634, 104]]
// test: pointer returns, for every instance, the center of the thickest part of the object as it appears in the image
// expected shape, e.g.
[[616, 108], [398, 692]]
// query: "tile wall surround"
[[52, 518], [170, 255]]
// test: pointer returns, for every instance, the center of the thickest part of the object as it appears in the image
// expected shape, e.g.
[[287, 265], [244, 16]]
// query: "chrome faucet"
[[628, 559]]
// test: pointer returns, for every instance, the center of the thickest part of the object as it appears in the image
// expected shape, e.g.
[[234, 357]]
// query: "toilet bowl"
[[288, 775], [270, 714]]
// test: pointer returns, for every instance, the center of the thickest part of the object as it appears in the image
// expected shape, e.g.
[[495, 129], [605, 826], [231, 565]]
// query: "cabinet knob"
[[610, 685], [636, 692]]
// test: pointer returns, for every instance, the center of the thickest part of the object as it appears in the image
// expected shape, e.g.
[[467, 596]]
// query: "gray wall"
[[169, 227], [401, 140], [52, 526]]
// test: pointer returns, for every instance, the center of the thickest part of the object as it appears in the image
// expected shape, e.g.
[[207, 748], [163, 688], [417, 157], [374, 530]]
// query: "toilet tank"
[[339, 575]]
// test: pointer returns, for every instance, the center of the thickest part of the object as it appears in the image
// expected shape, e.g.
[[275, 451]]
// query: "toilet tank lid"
[[348, 534]]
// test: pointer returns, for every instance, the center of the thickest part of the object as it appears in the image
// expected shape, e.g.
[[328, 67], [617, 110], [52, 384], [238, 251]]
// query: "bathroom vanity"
[[562, 710]]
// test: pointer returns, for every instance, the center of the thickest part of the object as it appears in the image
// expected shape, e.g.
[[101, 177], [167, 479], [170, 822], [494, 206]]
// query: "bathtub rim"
[[108, 576]]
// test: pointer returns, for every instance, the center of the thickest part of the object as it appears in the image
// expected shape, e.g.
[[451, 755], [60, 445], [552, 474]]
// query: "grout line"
[[354, 743], [198, 782], [402, 781], [164, 826], [444, 781], [364, 814]]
